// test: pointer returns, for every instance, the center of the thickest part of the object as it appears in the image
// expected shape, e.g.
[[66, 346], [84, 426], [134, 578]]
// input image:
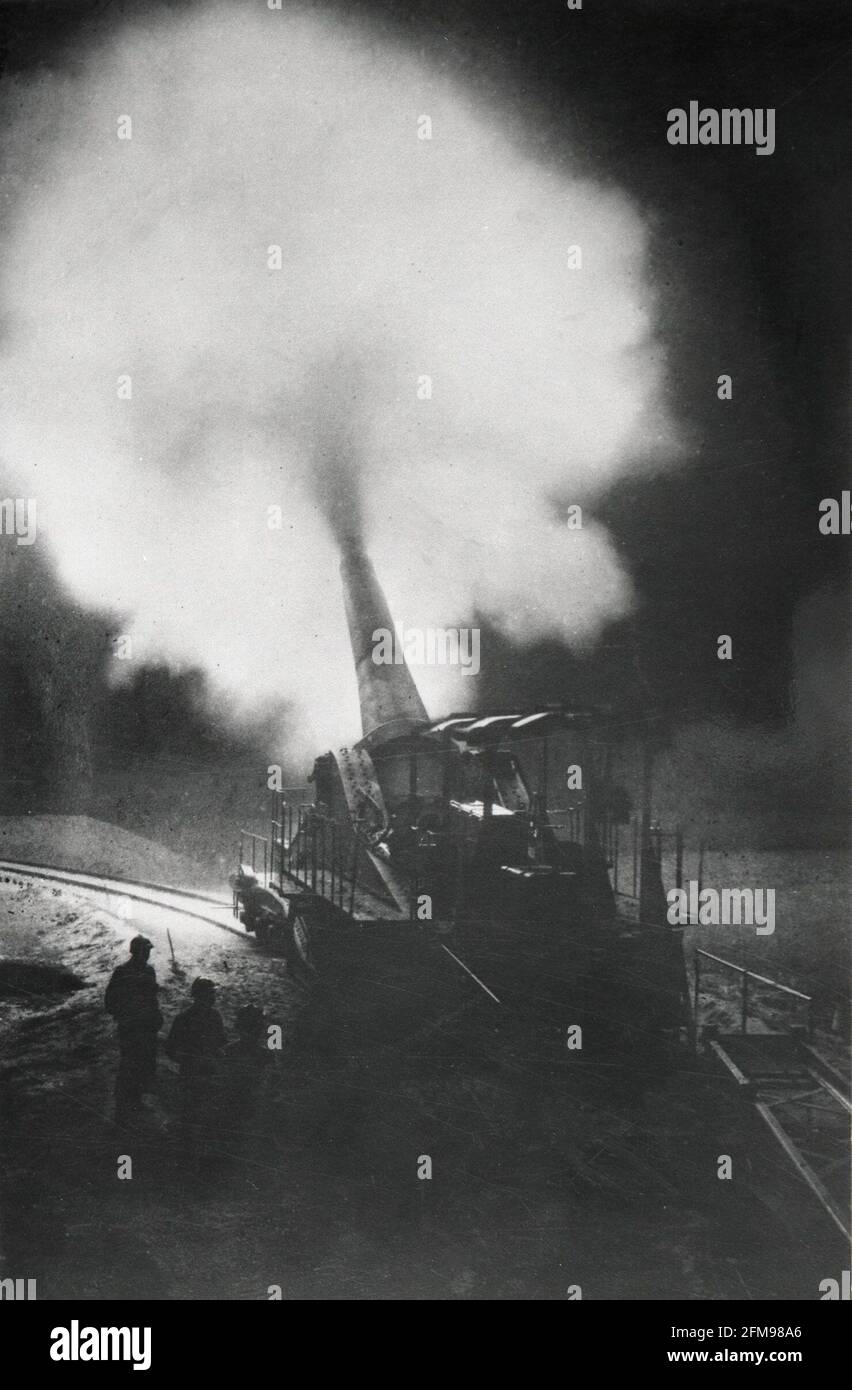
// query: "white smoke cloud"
[[401, 258]]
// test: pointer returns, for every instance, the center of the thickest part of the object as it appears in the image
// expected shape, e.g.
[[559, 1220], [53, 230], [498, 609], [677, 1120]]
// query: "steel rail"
[[154, 895]]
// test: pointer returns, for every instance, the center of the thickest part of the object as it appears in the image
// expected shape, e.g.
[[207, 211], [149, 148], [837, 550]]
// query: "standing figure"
[[131, 998], [245, 1064], [195, 1042]]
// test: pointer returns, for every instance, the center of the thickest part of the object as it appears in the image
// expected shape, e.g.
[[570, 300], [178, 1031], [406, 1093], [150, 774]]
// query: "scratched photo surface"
[[425, 632]]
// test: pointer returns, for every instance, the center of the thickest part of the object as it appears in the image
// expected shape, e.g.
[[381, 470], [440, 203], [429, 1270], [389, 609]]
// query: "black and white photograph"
[[425, 677]]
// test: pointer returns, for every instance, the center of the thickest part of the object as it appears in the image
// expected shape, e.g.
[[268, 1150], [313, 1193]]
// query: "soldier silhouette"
[[131, 998], [195, 1042]]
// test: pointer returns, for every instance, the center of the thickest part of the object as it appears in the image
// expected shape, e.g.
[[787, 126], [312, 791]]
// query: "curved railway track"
[[204, 907]]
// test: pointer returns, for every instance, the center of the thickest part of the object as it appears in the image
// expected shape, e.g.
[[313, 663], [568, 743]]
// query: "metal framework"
[[798, 1095]]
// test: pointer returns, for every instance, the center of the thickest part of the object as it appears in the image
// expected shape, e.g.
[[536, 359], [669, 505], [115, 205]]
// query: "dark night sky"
[[750, 259]]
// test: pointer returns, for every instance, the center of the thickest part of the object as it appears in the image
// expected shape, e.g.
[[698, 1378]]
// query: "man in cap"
[[195, 1042], [131, 998]]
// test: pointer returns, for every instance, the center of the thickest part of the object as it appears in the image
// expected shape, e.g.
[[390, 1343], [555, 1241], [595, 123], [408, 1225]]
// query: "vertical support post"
[[341, 865], [646, 848], [486, 785], [615, 847], [459, 883], [354, 877], [340, 853], [635, 825], [697, 995], [601, 819], [744, 1021]]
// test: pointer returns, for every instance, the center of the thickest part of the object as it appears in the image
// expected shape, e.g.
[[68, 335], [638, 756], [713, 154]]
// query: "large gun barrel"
[[390, 701]]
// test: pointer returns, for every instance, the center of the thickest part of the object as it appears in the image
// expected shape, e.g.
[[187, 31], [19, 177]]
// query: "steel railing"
[[316, 851], [627, 882], [745, 995], [248, 836]]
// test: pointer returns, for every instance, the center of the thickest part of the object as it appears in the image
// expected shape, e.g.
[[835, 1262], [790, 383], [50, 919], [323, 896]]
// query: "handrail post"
[[744, 1026], [354, 876], [341, 866], [697, 995]]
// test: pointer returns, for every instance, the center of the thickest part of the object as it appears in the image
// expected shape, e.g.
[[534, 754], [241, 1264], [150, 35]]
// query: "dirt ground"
[[545, 1175]]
